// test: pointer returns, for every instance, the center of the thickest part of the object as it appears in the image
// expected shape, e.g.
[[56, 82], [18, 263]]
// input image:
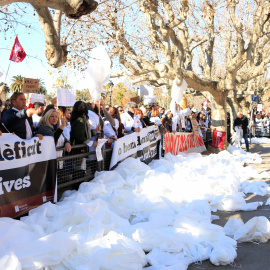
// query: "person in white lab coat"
[[179, 118], [130, 120]]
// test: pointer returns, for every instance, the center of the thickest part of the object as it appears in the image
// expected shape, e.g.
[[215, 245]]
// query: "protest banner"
[[183, 142], [218, 139], [142, 145], [195, 126], [27, 174], [30, 85], [66, 97]]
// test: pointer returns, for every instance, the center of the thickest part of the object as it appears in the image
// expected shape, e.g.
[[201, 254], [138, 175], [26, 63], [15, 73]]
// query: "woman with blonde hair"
[[50, 125]]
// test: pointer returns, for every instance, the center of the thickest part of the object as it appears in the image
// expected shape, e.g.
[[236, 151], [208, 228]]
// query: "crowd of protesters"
[[256, 124], [85, 122]]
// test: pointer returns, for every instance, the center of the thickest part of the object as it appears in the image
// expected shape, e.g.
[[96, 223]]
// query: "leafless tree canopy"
[[216, 46], [50, 15]]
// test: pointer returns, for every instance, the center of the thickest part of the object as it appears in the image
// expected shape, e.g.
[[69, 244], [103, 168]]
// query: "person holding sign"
[[18, 119]]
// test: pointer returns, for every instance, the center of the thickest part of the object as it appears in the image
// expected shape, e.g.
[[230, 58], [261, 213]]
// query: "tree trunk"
[[218, 114]]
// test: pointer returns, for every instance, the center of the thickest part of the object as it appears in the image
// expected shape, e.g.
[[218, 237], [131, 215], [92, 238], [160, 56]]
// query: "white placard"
[[146, 90], [101, 142], [66, 97], [149, 100], [36, 98], [259, 107]]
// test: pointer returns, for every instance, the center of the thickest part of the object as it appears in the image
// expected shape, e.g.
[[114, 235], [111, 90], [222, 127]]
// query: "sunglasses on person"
[[121, 110], [133, 107]]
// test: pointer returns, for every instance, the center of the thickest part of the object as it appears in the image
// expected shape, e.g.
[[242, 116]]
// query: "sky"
[[35, 64]]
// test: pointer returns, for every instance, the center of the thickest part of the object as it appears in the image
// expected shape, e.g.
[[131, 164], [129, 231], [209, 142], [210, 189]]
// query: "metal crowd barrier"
[[77, 168], [260, 131]]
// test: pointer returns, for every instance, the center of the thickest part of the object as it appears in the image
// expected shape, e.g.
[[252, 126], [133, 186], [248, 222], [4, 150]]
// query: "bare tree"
[[50, 16], [216, 46]]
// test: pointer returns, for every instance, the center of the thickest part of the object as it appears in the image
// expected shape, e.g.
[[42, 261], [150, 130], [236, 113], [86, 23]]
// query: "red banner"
[[218, 139], [183, 142]]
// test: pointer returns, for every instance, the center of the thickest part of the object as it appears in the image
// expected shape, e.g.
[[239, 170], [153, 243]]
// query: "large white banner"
[[142, 145], [16, 152]]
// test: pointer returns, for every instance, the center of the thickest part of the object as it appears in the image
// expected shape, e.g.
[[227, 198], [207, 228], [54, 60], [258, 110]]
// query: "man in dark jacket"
[[17, 119], [245, 130]]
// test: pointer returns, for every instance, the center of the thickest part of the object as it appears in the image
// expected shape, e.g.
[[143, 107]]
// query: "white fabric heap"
[[260, 140], [163, 208], [256, 229], [243, 156]]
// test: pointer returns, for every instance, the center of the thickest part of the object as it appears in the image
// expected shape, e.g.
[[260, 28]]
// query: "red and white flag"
[[205, 103], [17, 53]]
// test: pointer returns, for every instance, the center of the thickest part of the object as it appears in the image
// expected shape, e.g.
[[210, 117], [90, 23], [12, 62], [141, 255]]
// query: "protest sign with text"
[[142, 145], [30, 85], [183, 142], [27, 174]]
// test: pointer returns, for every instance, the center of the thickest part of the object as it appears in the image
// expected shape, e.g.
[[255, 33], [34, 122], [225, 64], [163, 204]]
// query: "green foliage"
[[17, 83], [6, 89], [83, 95], [119, 91], [42, 88]]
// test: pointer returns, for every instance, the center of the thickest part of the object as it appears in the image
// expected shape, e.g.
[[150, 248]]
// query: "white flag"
[[98, 71], [177, 94]]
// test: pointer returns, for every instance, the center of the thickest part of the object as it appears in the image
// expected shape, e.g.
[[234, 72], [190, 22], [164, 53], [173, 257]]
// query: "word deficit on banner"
[[66, 97], [30, 85], [183, 142], [142, 145], [218, 139], [27, 174]]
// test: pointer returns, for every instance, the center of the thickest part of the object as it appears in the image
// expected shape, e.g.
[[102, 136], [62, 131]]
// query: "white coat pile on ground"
[[138, 215]]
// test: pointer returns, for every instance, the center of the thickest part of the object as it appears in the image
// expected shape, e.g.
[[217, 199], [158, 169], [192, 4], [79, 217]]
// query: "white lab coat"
[[93, 119], [67, 130], [179, 118], [156, 120], [35, 119], [130, 122], [108, 129]]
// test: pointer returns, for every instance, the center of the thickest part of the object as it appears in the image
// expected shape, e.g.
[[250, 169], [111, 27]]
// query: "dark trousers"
[[245, 136]]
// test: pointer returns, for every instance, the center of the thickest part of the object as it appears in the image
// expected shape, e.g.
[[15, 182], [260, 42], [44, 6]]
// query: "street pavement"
[[250, 256]]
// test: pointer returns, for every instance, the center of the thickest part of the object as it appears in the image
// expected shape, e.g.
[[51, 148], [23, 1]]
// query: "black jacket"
[[48, 131], [237, 122], [146, 120], [15, 122], [244, 124]]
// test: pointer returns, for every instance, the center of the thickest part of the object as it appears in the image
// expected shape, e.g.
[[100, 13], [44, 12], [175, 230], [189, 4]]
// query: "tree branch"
[[73, 9], [54, 51]]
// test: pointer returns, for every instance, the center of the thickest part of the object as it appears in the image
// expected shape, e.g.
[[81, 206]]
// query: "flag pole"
[[7, 71]]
